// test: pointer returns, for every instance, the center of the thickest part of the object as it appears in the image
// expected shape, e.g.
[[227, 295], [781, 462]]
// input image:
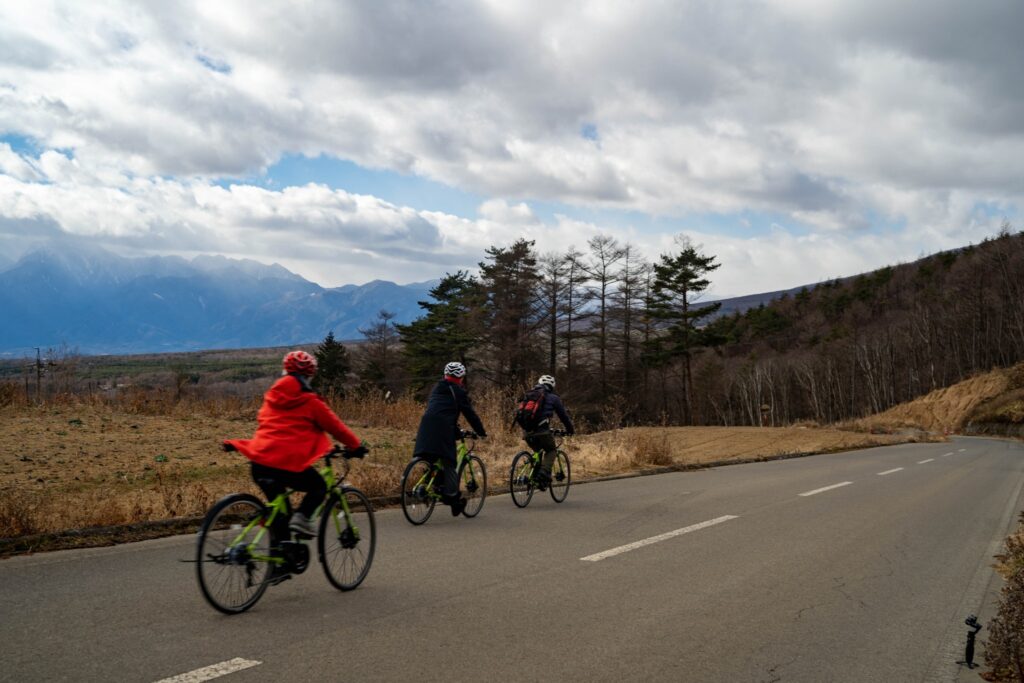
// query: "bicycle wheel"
[[231, 553], [346, 542], [474, 485], [560, 477], [520, 479], [417, 497]]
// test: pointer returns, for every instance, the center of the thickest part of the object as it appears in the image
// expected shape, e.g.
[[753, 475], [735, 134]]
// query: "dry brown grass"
[[75, 463], [1004, 649], [943, 410]]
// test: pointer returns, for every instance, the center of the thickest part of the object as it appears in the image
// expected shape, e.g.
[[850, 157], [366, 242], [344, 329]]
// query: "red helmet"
[[300, 363]]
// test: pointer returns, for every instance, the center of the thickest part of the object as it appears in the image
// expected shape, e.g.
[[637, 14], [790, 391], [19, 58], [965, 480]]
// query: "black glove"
[[570, 432], [482, 435], [359, 451], [227, 447]]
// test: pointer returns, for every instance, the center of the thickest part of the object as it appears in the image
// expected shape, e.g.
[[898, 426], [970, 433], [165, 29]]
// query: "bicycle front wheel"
[[560, 477], [474, 485], [417, 496], [232, 553], [520, 479], [347, 539]]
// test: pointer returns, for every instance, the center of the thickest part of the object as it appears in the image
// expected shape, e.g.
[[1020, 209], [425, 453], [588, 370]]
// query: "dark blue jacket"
[[439, 425], [553, 406]]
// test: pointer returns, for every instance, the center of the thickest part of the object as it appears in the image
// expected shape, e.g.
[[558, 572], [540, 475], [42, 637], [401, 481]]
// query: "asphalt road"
[[858, 566]]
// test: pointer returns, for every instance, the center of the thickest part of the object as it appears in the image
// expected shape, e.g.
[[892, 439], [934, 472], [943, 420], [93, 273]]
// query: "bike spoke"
[[230, 579], [345, 557]]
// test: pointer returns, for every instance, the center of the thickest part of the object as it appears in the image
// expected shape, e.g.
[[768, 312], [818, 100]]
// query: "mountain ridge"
[[99, 302]]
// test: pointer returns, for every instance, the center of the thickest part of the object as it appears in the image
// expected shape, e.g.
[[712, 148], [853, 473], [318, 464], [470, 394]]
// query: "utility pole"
[[39, 376]]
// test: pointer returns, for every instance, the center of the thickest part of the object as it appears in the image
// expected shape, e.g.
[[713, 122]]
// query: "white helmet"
[[455, 369], [548, 381]]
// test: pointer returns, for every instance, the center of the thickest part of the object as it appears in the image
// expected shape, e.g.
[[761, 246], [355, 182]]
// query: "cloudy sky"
[[794, 139]]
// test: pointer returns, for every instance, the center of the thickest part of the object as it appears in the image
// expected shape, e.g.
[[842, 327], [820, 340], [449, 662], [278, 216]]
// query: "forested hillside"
[[630, 342], [882, 338]]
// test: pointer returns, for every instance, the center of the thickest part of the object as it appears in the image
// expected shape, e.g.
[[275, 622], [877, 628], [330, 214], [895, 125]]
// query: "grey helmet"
[[455, 369]]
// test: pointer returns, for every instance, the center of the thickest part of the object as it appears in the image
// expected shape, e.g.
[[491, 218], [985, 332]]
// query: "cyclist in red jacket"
[[292, 434]]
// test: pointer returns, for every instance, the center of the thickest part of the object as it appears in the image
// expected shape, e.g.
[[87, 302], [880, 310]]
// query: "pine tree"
[[605, 253], [678, 283], [448, 330], [553, 270], [512, 312], [333, 365]]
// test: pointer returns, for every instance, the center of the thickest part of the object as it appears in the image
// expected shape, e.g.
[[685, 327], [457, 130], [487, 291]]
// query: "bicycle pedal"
[[274, 580]]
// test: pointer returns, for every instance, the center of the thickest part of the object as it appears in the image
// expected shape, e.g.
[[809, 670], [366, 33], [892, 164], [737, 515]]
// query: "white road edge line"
[[882, 474], [208, 673], [826, 488], [921, 462], [655, 539]]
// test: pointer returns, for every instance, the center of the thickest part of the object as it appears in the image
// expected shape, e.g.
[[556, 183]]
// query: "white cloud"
[[837, 117], [15, 165]]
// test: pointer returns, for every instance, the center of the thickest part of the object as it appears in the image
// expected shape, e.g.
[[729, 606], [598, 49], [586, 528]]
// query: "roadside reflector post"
[[972, 622]]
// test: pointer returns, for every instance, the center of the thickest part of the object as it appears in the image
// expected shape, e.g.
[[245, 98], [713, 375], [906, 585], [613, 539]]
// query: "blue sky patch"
[[23, 145], [213, 64], [397, 188]]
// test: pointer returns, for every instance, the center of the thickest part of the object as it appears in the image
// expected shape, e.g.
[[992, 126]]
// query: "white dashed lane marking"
[[882, 474], [921, 462], [826, 488], [655, 539], [208, 673]]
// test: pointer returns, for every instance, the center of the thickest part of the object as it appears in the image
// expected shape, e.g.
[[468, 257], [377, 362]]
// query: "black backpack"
[[528, 410]]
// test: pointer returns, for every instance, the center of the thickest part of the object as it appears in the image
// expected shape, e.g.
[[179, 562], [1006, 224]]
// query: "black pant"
[[273, 482], [450, 476], [543, 441]]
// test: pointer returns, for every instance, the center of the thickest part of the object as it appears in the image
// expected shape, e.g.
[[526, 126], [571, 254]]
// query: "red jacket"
[[292, 422]]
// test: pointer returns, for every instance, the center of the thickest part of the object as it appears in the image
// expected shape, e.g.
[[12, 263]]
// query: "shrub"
[[1004, 650], [651, 450], [11, 394]]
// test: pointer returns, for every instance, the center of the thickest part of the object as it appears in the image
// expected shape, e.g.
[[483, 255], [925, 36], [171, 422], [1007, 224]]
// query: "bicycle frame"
[[537, 455], [279, 506], [462, 453]]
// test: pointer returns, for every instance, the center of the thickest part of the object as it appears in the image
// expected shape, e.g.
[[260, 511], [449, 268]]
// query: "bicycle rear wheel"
[[346, 542], [520, 479], [417, 495], [474, 485], [560, 477], [232, 552]]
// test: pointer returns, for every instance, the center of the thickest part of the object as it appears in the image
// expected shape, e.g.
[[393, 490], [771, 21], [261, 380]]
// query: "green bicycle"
[[521, 483], [235, 563], [421, 482]]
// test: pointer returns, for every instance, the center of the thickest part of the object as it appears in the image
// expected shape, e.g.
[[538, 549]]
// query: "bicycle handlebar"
[[468, 434], [347, 453]]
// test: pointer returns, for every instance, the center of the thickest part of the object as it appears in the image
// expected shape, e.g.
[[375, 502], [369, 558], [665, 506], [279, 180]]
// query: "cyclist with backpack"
[[439, 429], [533, 414]]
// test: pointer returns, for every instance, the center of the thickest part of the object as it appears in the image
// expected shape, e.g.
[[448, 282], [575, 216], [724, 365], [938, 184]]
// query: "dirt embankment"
[[951, 408]]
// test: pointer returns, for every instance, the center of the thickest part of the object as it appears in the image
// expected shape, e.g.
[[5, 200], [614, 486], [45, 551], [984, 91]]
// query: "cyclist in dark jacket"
[[540, 438], [439, 429]]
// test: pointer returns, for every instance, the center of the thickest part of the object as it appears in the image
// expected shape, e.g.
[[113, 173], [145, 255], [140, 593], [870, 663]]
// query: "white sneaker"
[[301, 524]]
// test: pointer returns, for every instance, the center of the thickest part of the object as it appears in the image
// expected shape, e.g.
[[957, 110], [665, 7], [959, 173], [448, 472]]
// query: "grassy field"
[[89, 462]]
